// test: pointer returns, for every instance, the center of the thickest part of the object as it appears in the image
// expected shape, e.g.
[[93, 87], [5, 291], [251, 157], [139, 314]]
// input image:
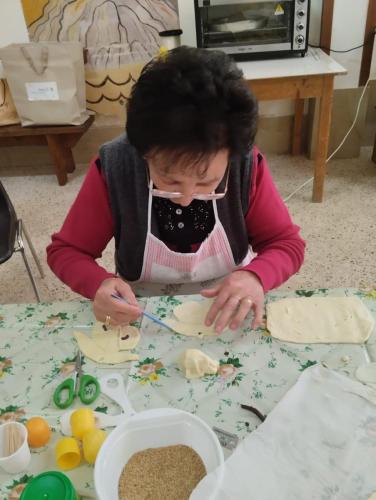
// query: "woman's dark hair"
[[191, 103]]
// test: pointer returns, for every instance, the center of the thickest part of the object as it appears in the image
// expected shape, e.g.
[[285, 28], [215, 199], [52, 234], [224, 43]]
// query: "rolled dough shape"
[[111, 339], [195, 364], [320, 320], [94, 352], [190, 319], [366, 373], [190, 329], [193, 312]]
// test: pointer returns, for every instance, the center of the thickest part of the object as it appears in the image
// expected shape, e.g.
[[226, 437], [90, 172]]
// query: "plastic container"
[[67, 453], [18, 461], [152, 429], [51, 485]]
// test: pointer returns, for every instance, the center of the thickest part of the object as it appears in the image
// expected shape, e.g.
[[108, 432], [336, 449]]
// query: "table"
[[37, 349], [299, 78], [59, 139]]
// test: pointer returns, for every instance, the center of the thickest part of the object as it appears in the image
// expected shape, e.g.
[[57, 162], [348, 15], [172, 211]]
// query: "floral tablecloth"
[[37, 349]]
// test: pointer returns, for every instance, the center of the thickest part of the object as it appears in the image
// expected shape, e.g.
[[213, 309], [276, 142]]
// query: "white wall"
[[348, 31], [12, 24]]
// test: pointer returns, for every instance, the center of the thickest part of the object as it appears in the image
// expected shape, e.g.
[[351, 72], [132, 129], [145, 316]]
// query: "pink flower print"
[[226, 371]]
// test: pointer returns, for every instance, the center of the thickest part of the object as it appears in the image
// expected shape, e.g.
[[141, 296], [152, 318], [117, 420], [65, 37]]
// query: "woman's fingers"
[[217, 305], [125, 291], [258, 314], [112, 311], [244, 308], [226, 312]]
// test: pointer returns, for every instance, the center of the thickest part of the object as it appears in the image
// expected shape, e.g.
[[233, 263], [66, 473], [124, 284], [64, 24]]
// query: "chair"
[[12, 231]]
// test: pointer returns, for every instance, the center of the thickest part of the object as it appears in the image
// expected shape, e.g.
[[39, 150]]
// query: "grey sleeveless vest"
[[125, 174]]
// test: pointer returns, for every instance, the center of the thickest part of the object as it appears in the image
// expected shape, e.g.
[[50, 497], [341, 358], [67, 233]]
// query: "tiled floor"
[[340, 232]]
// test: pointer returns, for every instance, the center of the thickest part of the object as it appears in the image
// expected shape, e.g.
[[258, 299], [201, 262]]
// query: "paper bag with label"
[[47, 82], [8, 113]]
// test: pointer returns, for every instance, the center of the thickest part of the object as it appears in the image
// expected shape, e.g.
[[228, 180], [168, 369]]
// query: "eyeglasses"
[[171, 195]]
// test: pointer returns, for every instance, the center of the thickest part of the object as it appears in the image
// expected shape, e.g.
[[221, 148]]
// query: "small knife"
[[148, 315]]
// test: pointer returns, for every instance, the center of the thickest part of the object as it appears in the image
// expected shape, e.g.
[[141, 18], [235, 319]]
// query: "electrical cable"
[[370, 40], [341, 143]]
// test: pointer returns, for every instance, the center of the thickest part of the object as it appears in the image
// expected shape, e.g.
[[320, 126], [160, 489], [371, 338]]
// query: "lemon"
[[82, 420], [91, 443]]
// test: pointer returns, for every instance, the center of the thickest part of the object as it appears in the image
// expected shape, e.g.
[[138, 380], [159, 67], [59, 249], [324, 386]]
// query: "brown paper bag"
[[8, 113], [47, 82]]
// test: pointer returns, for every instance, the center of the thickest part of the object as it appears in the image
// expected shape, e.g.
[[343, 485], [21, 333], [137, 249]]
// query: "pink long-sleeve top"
[[89, 227]]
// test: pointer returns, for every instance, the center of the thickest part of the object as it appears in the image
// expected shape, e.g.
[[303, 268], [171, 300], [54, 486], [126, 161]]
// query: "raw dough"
[[190, 319], [193, 311], [190, 329], [195, 364], [92, 350], [320, 320], [107, 340], [128, 337], [123, 338]]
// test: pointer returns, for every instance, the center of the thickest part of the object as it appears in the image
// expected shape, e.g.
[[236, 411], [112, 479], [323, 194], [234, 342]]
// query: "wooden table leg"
[[298, 125], [58, 150], [69, 161], [325, 116]]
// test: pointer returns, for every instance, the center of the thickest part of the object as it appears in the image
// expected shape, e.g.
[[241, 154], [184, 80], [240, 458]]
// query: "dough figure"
[[111, 345], [195, 364]]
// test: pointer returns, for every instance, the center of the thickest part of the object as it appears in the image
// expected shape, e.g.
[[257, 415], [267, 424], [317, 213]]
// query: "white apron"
[[165, 272]]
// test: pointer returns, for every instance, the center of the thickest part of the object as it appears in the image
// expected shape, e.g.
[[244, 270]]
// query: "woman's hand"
[[118, 312], [235, 296]]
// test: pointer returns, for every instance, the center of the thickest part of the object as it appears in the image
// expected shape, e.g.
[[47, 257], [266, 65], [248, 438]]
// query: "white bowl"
[[152, 429]]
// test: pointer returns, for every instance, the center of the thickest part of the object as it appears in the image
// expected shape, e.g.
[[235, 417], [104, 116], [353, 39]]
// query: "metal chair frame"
[[20, 247], [17, 232]]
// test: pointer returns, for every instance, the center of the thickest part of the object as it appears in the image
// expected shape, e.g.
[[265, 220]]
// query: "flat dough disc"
[[193, 312], [190, 319], [94, 352], [320, 320], [190, 329]]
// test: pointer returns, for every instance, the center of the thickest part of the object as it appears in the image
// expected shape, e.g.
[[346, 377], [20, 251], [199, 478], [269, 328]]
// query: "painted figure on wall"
[[119, 35]]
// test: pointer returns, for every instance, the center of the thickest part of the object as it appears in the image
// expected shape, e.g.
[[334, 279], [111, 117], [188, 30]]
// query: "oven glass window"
[[253, 23]]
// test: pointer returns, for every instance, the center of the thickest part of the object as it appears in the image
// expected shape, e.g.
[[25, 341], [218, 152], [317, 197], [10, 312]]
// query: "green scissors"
[[86, 387]]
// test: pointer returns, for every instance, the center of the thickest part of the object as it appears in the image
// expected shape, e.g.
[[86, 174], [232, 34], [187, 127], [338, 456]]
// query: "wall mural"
[[119, 35]]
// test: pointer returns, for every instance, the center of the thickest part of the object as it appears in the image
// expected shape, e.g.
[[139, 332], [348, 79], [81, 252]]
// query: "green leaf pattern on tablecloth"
[[16, 487], [12, 413], [37, 351]]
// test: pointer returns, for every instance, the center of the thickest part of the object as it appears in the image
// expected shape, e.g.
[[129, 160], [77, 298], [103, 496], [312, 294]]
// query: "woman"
[[187, 197]]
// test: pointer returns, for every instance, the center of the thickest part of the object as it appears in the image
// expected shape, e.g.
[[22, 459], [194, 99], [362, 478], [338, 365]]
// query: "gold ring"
[[107, 321], [248, 300]]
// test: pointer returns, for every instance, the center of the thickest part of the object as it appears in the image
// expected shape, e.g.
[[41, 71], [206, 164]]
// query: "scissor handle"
[[85, 395], [66, 385]]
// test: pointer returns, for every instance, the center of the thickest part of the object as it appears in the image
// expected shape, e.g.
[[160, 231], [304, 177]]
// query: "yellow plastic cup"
[[82, 421], [67, 453]]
